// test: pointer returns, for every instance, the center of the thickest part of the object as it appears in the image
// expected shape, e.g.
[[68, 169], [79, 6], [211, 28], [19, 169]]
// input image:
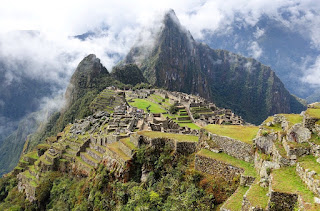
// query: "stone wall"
[[186, 148], [235, 148], [216, 168], [309, 122], [246, 180], [308, 177], [282, 201], [294, 153]]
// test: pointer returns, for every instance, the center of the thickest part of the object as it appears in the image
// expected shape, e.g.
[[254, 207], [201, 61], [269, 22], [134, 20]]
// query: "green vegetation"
[[234, 203], [247, 167], [190, 125], [147, 105], [128, 143], [178, 137], [281, 149], [313, 112], [115, 148], [239, 132], [315, 139], [33, 155], [128, 74], [286, 180], [310, 162], [257, 195], [275, 127], [107, 100], [293, 118]]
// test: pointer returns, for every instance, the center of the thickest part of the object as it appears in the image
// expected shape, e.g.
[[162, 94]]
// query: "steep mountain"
[[128, 74], [286, 50], [177, 62], [88, 80]]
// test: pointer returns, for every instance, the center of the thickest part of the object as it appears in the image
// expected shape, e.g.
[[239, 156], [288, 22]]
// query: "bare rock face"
[[298, 133], [265, 143]]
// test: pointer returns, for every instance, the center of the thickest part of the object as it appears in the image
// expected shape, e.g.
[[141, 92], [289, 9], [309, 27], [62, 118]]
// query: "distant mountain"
[[177, 62], [285, 50]]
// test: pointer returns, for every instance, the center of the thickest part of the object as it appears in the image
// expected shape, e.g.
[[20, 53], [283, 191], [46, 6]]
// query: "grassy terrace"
[[313, 112], [190, 125], [276, 127], [257, 195], [33, 155], [143, 104], [234, 203], [115, 148], [178, 137], [310, 162], [247, 167], [293, 118], [79, 160], [286, 180], [239, 132], [128, 143]]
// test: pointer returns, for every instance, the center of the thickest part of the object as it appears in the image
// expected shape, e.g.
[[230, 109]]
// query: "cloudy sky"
[[53, 54]]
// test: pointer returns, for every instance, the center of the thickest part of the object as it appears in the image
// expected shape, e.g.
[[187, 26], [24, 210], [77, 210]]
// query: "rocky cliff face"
[[177, 62]]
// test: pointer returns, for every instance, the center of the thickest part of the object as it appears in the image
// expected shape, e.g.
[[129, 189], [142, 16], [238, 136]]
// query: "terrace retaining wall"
[[233, 147]]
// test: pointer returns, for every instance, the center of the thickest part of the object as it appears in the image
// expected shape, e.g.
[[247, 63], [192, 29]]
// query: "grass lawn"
[[128, 143], [239, 132], [293, 118], [234, 203], [313, 112], [286, 180], [247, 167], [178, 137], [257, 195], [143, 104], [190, 125], [310, 162]]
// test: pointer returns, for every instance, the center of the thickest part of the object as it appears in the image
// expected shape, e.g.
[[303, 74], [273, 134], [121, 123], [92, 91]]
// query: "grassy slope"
[[178, 137], [239, 132], [286, 180], [143, 104]]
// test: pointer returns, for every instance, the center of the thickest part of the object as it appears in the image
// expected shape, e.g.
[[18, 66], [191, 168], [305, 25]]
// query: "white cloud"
[[312, 73], [52, 55], [255, 50]]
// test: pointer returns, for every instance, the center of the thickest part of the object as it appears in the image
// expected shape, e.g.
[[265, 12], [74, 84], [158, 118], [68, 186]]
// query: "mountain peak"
[[86, 76]]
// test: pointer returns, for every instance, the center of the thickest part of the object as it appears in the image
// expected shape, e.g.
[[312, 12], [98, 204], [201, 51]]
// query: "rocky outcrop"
[[265, 142], [298, 133]]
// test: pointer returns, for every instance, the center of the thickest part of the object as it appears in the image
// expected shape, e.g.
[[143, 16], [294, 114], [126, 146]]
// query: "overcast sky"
[[58, 20]]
